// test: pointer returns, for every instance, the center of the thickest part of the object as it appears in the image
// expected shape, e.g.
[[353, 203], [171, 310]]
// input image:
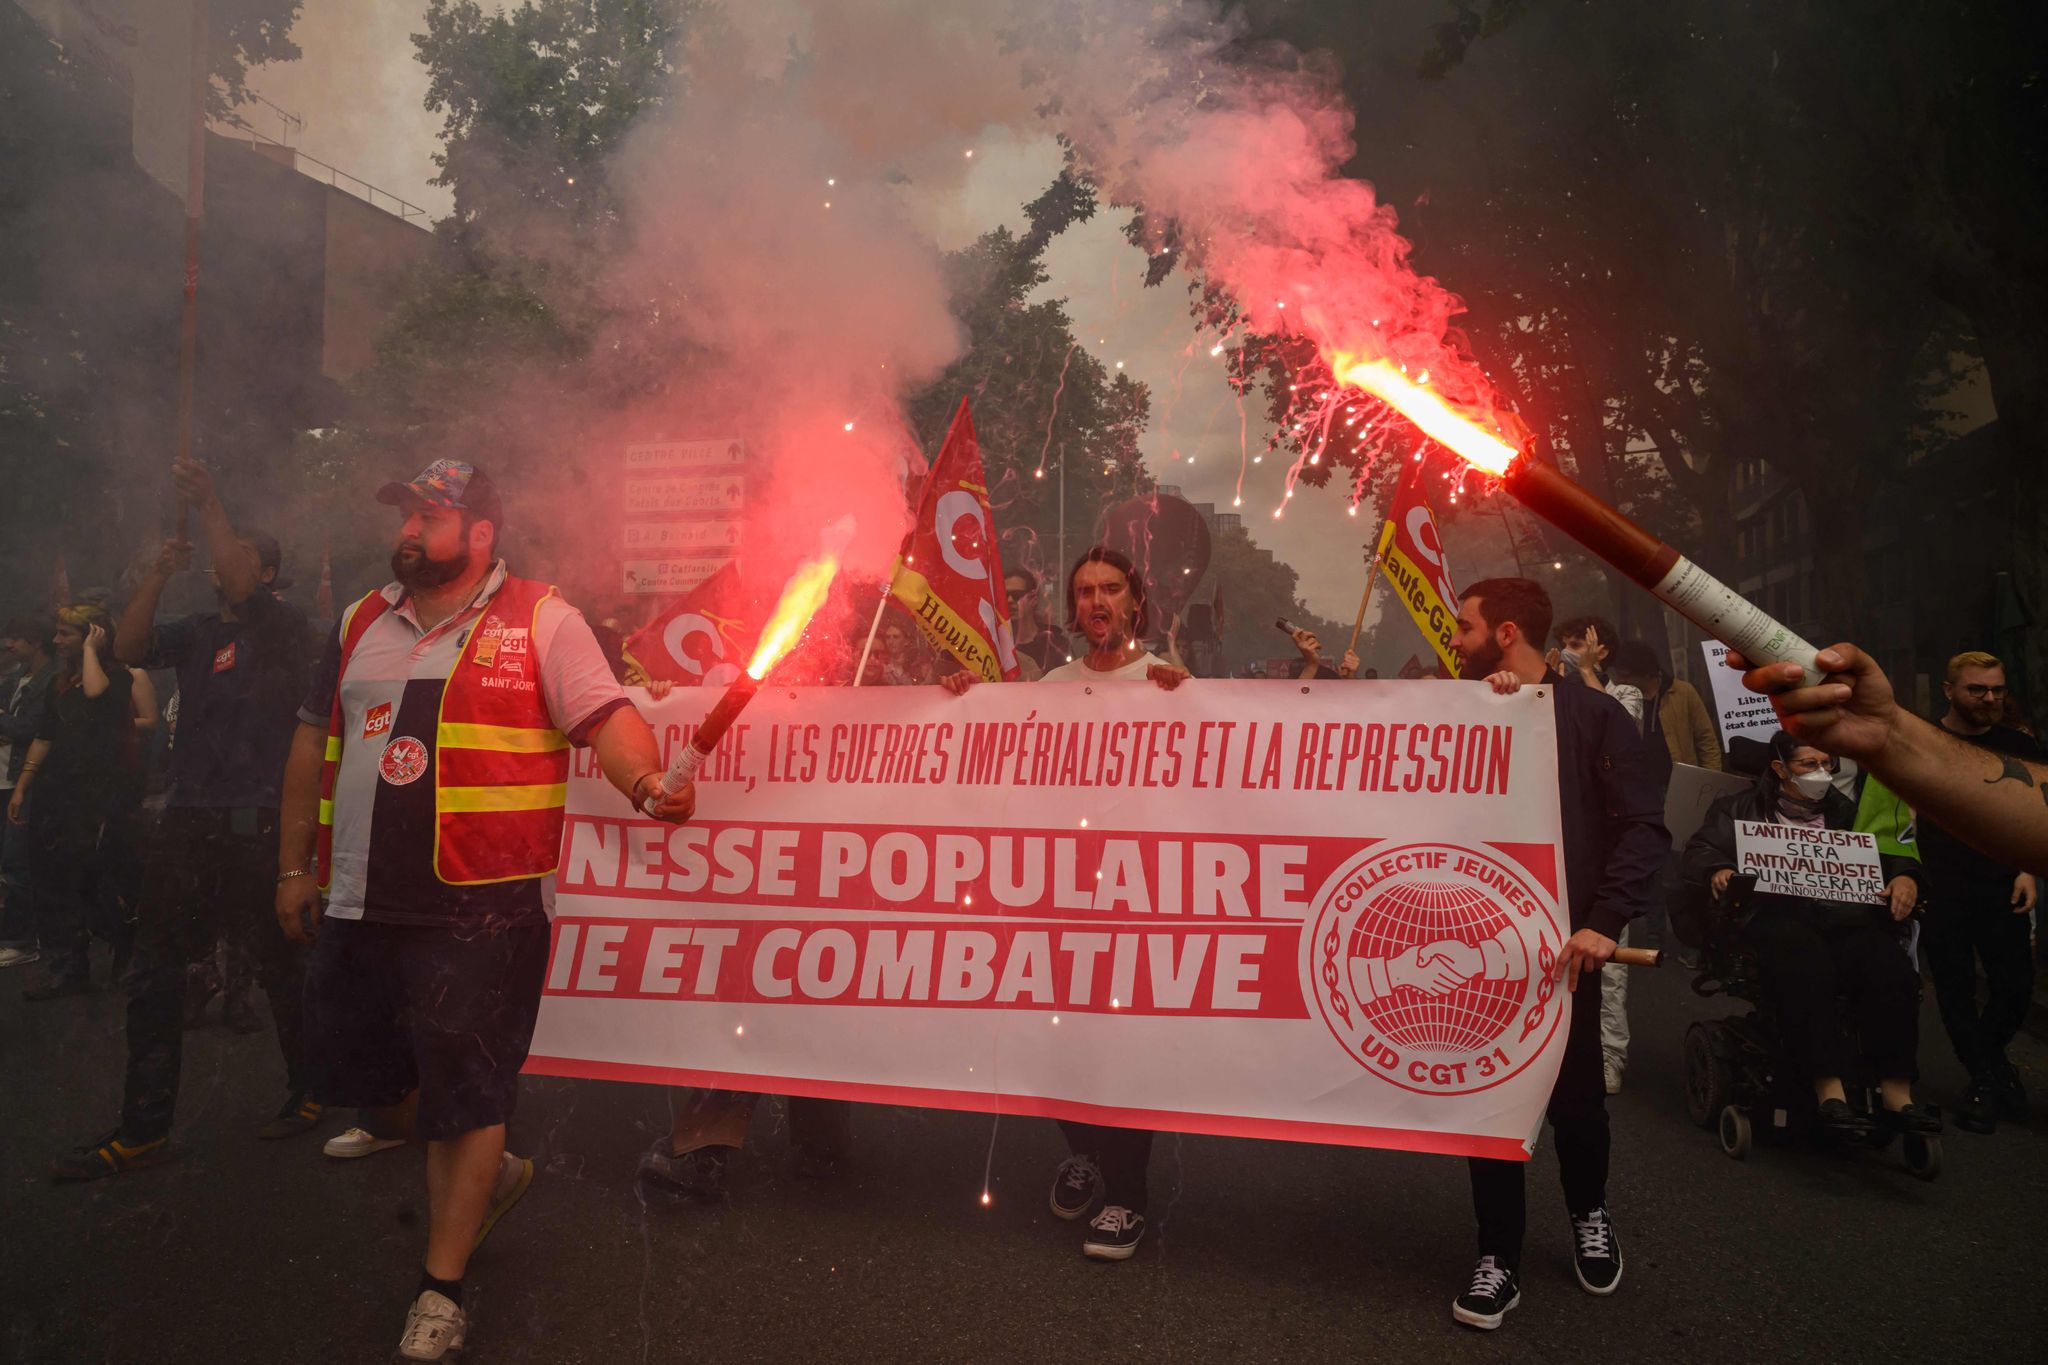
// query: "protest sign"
[[1742, 712], [1821, 864], [1691, 791], [1327, 913]]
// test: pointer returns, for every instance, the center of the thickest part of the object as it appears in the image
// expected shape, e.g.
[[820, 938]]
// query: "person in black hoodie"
[[1811, 952]]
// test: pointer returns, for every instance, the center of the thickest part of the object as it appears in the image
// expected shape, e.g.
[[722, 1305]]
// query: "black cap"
[[450, 483]]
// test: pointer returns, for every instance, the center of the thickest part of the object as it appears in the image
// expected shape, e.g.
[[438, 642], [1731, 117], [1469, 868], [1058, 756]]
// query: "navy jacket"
[[1612, 809]]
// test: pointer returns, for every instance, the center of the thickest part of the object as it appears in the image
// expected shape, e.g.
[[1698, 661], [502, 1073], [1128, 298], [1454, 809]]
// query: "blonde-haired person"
[[82, 775]]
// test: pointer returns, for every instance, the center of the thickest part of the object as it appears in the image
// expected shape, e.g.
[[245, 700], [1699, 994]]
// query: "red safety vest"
[[501, 767]]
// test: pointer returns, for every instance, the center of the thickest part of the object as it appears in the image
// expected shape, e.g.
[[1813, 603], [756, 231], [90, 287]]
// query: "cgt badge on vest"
[[404, 761]]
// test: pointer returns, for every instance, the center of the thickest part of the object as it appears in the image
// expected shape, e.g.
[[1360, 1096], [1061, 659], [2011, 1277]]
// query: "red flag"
[[1411, 551], [701, 640], [323, 599], [61, 583], [950, 575]]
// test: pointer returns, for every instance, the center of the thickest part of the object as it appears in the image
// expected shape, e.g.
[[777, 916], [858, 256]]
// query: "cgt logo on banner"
[[1333, 918], [699, 640], [1411, 552]]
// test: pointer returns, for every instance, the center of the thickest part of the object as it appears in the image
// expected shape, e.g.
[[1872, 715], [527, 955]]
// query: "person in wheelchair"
[[1811, 954]]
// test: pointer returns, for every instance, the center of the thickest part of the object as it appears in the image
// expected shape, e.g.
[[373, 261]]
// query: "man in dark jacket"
[[1810, 952], [1614, 845]]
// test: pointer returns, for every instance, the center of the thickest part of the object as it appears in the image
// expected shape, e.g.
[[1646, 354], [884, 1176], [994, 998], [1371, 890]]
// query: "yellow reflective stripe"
[[510, 739], [334, 748], [326, 812], [465, 800]]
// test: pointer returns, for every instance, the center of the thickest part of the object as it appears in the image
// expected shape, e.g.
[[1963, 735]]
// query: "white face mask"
[[1569, 661], [1814, 785]]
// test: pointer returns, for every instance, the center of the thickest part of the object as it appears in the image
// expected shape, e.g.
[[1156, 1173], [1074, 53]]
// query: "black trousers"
[[1578, 1125], [1122, 1155], [212, 873], [1805, 971], [1967, 923], [68, 905]]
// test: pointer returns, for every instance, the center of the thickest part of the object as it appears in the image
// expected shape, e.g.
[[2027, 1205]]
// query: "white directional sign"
[[684, 504]]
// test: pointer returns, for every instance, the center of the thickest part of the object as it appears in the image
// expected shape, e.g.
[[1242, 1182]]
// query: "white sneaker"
[[359, 1142], [1613, 1078], [433, 1328], [19, 957]]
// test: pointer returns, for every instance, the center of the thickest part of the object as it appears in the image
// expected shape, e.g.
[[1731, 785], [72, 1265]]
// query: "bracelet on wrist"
[[283, 877]]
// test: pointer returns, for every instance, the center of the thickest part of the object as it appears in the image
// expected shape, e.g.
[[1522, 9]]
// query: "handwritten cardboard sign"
[[1819, 864]]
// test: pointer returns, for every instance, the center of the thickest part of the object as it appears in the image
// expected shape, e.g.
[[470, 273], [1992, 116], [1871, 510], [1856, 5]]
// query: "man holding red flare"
[[430, 767]]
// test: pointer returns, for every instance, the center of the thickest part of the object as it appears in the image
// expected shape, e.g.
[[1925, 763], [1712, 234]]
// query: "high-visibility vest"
[[501, 767]]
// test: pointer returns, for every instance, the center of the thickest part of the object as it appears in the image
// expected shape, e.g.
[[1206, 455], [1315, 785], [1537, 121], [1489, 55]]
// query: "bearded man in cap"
[[424, 796]]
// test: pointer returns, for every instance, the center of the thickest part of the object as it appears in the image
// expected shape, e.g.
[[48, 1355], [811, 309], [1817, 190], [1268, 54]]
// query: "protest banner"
[[1691, 791], [1742, 712], [1821, 864], [1323, 913]]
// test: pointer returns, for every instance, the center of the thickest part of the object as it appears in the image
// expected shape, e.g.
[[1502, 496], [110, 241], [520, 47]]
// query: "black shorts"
[[448, 1011]]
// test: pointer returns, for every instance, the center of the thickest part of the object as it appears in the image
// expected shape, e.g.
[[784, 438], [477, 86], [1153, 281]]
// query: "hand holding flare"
[[801, 598]]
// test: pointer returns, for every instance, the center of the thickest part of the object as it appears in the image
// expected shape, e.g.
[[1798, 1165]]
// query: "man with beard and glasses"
[[424, 795], [1614, 845], [213, 856], [1978, 909], [1108, 608]]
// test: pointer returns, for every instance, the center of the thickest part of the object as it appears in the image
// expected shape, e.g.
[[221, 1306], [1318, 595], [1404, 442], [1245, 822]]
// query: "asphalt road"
[[243, 1250]]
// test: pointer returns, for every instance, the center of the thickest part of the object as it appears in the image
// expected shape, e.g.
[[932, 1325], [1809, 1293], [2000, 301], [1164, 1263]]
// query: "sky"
[[359, 90]]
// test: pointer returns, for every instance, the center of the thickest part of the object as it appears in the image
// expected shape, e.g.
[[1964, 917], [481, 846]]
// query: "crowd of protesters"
[[205, 841]]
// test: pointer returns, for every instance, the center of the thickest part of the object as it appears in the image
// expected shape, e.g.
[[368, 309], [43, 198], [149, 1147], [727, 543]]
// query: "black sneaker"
[[1494, 1290], [1113, 1234], [300, 1114], [109, 1156], [2011, 1096], [1978, 1113], [1596, 1252], [698, 1174], [1839, 1116], [1074, 1187], [1913, 1118]]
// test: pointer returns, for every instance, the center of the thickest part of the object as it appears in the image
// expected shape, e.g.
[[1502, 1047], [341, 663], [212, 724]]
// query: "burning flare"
[[1435, 418], [802, 596]]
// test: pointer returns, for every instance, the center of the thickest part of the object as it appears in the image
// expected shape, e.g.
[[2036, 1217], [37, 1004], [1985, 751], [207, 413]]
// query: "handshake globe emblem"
[[1433, 965]]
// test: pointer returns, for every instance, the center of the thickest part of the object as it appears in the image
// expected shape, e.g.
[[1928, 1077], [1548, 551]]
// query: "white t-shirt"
[[1079, 671]]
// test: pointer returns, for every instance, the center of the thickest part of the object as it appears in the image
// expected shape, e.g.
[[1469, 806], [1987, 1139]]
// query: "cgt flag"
[[699, 641], [950, 575], [1411, 553]]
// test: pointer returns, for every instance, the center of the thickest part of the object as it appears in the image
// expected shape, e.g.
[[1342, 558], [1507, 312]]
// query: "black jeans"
[[212, 873], [1578, 1125], [1122, 1154], [63, 865], [1966, 923], [1806, 970]]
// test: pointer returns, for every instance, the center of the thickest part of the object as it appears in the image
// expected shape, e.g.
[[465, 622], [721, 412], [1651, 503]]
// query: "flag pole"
[[875, 625], [195, 200], [1372, 573]]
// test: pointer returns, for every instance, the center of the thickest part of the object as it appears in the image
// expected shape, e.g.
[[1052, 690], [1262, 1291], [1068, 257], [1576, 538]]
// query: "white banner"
[[1328, 912], [1820, 864], [1742, 712]]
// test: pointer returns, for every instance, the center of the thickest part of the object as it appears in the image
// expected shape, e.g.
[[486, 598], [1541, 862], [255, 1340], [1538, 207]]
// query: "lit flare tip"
[[801, 598], [1434, 417]]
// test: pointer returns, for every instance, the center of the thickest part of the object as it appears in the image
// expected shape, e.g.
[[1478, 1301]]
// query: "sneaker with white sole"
[[1075, 1186], [433, 1328], [1493, 1291], [1113, 1234], [19, 957], [515, 1174], [359, 1142], [1596, 1252]]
